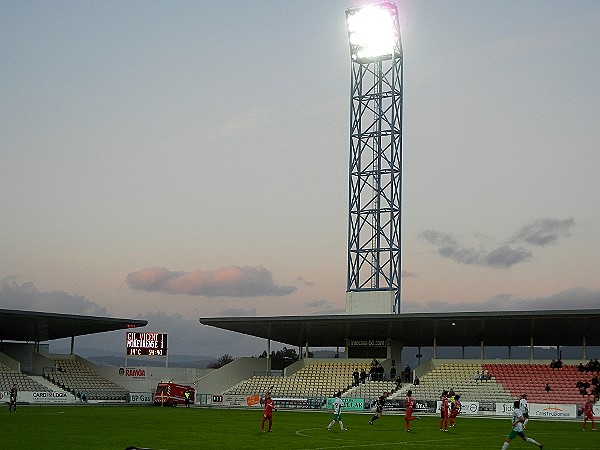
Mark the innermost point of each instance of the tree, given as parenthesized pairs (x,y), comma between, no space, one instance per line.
(280,359)
(222,361)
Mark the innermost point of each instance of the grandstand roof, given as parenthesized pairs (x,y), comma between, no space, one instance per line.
(31,326)
(519,328)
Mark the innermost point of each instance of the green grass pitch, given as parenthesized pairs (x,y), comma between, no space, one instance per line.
(117,427)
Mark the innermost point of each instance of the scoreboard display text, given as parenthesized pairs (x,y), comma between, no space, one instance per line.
(146,344)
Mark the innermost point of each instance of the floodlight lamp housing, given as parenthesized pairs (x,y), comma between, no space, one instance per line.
(374,32)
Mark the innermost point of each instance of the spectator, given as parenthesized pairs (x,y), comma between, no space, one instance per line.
(393,372)
(586,385)
(363,375)
(380,372)
(547,388)
(417,381)
(407,372)
(355,377)
(373,373)
(589,366)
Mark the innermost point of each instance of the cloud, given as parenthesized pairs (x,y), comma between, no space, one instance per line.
(317,304)
(328,312)
(505,256)
(232,281)
(300,279)
(439,239)
(407,274)
(236,312)
(449,248)
(539,233)
(570,299)
(186,336)
(26,296)
(242,122)
(544,232)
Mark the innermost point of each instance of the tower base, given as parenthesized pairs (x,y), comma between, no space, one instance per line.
(370,302)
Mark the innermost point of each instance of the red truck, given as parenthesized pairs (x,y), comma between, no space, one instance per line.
(172,394)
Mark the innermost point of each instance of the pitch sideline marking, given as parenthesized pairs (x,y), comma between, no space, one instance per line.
(374,444)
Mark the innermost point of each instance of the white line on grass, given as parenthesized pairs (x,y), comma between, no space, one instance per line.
(421,443)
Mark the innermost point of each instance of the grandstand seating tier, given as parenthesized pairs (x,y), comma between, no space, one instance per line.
(317,380)
(74,376)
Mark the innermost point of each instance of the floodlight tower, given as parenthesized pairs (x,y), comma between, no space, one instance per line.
(375,181)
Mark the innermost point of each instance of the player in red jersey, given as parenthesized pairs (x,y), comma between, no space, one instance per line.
(409,404)
(444,411)
(268,412)
(588,413)
(455,410)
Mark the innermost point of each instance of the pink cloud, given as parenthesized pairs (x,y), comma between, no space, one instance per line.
(232,281)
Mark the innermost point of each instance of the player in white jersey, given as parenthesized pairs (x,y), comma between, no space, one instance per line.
(337,412)
(524,407)
(517,429)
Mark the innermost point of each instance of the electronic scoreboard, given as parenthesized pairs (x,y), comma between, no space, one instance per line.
(146,344)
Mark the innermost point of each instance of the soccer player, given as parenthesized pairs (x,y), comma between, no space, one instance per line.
(524,407)
(337,412)
(268,412)
(455,410)
(444,411)
(13,398)
(588,412)
(517,429)
(409,404)
(380,403)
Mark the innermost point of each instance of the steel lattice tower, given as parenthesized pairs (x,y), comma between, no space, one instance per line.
(375,178)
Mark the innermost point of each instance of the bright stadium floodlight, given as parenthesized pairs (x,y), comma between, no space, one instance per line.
(373,32)
(375,175)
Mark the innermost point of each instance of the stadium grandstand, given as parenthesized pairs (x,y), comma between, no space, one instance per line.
(490,384)
(309,382)
(45,378)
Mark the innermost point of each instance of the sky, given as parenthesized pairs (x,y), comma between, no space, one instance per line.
(168,161)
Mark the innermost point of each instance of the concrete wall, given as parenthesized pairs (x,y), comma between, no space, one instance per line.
(21,352)
(221,379)
(10,362)
(134,379)
(145,379)
(39,362)
(295,367)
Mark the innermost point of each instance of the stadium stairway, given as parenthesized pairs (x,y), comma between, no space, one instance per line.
(370,390)
(48,386)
